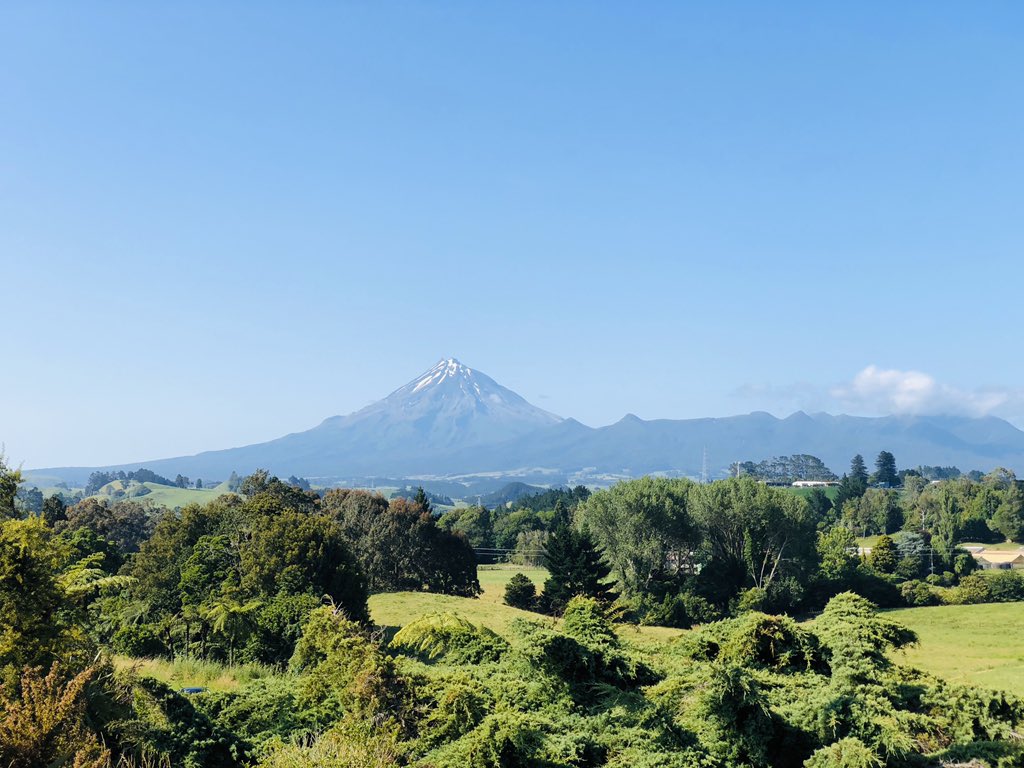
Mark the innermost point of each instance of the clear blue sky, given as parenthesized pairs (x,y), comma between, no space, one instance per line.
(221,222)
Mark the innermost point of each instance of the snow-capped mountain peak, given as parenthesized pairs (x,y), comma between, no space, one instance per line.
(445,369)
(450,405)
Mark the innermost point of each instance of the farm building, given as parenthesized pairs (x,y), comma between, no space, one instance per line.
(993,559)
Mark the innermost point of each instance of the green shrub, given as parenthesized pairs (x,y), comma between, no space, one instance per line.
(1006,586)
(845,753)
(682,610)
(918,593)
(138,641)
(973,589)
(449,635)
(520,592)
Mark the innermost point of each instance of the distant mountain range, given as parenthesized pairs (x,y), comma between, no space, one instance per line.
(455,423)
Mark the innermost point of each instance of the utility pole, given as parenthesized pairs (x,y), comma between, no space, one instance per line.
(704,468)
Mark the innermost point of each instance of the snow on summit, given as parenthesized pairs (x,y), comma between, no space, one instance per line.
(450,405)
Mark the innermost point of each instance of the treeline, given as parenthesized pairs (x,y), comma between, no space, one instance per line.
(785,469)
(235,578)
(99,478)
(518,531)
(681,553)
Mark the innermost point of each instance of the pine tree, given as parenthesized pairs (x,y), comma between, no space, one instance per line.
(885,470)
(576,567)
(421,499)
(561,516)
(858,470)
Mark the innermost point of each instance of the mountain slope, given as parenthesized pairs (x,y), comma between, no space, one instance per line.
(633,446)
(453,420)
(447,409)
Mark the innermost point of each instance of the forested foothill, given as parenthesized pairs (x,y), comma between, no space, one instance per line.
(786,661)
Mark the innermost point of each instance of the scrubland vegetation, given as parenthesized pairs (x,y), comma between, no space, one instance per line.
(672,624)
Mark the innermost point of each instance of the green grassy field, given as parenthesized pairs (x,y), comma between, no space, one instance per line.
(395,609)
(831,491)
(976,644)
(166,495)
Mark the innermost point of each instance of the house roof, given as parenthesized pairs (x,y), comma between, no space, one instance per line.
(1001,557)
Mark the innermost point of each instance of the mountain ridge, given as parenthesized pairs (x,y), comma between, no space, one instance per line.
(453,420)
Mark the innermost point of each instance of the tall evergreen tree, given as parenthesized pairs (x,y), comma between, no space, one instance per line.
(858,470)
(421,499)
(885,470)
(561,516)
(576,567)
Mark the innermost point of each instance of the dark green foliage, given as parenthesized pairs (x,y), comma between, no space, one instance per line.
(918,593)
(160,721)
(821,506)
(682,610)
(277,627)
(344,670)
(520,592)
(1008,519)
(855,638)
(886,474)
(645,528)
(1005,586)
(262,710)
(29,501)
(884,555)
(139,641)
(296,553)
(54,510)
(400,546)
(576,567)
(758,641)
(858,470)
(549,499)
(474,523)
(587,655)
(126,523)
(36,623)
(786,469)
(9,481)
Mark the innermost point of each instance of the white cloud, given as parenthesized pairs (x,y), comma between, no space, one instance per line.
(883,391)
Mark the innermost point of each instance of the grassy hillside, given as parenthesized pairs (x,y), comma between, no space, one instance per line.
(169,496)
(977,644)
(395,609)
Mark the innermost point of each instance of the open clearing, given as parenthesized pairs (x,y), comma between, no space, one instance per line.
(182,673)
(977,644)
(395,609)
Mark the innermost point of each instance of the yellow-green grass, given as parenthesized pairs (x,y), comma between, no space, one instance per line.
(979,645)
(392,610)
(1005,546)
(493,579)
(189,673)
(167,495)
